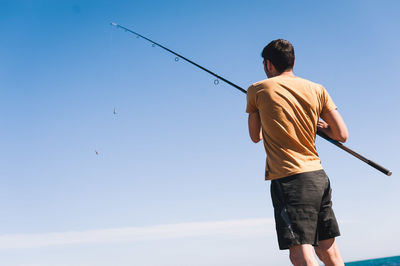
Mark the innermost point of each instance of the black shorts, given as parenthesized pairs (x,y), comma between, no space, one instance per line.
(303,209)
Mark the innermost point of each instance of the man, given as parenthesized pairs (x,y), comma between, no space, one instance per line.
(284,111)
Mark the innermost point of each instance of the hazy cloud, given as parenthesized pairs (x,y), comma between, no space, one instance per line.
(236,228)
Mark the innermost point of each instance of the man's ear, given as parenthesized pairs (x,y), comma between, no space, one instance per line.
(265,66)
(271,67)
(268,65)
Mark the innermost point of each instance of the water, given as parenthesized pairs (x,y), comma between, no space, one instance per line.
(389,261)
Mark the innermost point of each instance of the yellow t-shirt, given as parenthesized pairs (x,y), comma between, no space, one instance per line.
(289,109)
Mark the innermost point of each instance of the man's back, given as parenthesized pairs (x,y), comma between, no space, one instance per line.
(289,109)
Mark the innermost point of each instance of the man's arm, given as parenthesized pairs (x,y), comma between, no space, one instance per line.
(333,126)
(255,127)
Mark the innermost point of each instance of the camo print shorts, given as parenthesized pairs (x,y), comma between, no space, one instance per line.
(303,209)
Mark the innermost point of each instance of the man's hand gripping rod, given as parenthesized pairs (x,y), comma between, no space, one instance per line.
(335,142)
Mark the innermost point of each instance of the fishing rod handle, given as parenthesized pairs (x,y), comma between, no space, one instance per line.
(355,154)
(379,168)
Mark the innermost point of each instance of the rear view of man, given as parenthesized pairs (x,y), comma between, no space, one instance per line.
(284,112)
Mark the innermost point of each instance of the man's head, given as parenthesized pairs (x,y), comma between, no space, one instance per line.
(278,57)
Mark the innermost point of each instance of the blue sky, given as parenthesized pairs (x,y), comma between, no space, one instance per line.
(176,158)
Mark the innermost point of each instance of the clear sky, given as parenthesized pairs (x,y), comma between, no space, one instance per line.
(177,180)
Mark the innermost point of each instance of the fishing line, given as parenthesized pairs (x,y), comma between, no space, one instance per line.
(216,82)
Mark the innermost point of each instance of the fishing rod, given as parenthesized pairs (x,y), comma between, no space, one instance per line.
(321,134)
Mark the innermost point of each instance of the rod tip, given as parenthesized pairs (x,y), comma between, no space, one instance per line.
(114,24)
(389,173)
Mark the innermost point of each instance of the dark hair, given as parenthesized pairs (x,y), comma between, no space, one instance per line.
(281,54)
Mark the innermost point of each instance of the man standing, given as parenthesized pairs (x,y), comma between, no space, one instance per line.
(284,111)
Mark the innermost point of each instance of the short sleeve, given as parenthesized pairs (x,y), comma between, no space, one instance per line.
(327,103)
(251,100)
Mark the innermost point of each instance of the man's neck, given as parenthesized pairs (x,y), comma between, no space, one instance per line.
(288,73)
